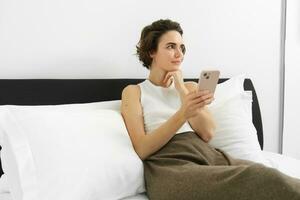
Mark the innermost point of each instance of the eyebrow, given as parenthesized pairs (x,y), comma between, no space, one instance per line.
(174,43)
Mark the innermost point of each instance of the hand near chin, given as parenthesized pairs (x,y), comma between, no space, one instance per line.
(175,76)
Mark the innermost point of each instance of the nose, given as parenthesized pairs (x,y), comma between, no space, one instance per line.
(178,53)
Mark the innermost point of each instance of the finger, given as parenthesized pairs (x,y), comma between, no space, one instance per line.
(207,99)
(193,101)
(204,103)
(209,102)
(191,95)
(200,104)
(207,96)
(197,106)
(212,99)
(167,77)
(197,100)
(203,94)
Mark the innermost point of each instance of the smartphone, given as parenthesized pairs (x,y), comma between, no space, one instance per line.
(208,80)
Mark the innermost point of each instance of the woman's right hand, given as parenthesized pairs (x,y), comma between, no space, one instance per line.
(194,101)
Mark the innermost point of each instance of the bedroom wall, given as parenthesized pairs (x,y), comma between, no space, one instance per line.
(96,39)
(291,136)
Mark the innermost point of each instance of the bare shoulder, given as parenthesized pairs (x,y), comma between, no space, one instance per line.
(191,85)
(131,90)
(130,97)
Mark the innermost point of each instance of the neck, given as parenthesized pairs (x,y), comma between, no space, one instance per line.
(157,76)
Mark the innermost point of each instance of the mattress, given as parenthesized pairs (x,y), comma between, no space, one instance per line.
(285,164)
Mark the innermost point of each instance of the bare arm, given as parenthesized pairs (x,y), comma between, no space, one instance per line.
(146,144)
(203,123)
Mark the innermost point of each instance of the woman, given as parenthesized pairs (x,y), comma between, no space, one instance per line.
(169,125)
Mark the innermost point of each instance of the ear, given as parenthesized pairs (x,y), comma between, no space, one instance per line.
(152,54)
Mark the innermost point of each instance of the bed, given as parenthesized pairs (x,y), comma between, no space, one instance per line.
(32,92)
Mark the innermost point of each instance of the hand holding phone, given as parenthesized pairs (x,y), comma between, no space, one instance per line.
(208,80)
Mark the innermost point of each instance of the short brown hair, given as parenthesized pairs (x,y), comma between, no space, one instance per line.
(150,37)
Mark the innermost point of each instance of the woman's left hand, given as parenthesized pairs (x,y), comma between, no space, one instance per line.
(177,78)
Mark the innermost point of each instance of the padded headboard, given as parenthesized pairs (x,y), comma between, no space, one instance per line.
(65,91)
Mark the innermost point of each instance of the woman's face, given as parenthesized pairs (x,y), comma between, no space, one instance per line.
(169,54)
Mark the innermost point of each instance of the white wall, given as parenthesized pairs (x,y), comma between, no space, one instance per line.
(291,133)
(96,39)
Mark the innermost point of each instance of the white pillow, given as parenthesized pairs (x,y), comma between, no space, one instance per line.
(114,105)
(81,154)
(232,110)
(3,184)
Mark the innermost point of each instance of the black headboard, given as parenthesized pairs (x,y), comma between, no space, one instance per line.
(64,91)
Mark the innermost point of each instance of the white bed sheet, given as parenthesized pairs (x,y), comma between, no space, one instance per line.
(5,196)
(285,164)
(142,196)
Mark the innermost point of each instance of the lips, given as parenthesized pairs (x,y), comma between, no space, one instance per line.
(176,62)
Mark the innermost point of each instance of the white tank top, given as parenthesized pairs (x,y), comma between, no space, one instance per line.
(159,104)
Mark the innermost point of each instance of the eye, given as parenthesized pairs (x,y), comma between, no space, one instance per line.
(182,47)
(171,46)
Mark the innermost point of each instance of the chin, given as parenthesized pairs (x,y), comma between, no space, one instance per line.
(172,67)
(175,67)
